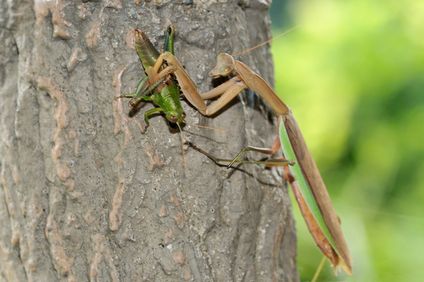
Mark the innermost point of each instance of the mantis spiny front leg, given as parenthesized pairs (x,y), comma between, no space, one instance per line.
(306,181)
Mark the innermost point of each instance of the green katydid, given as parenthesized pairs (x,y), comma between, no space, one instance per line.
(162,90)
(306,182)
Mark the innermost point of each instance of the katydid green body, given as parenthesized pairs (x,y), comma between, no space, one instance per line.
(163,93)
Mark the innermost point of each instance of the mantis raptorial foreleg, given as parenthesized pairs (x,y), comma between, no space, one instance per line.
(227,91)
(307,184)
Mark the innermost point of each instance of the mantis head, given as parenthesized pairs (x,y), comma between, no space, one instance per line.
(224,66)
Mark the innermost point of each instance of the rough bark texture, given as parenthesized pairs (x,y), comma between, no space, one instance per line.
(85,196)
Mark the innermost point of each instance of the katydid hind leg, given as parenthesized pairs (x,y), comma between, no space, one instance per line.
(141,84)
(169,39)
(149,91)
(136,104)
(148,114)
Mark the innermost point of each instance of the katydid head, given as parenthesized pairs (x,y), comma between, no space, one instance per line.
(224,66)
(176,117)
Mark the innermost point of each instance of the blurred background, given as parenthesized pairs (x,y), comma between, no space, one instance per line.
(353,74)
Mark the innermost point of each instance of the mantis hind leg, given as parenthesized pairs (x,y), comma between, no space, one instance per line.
(229,162)
(268,151)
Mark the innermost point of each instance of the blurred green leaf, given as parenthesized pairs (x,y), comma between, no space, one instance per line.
(353,74)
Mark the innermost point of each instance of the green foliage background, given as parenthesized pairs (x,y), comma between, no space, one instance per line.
(353,74)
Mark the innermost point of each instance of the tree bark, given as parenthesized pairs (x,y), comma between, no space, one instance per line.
(85,196)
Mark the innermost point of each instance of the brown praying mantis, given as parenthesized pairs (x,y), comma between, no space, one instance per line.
(307,184)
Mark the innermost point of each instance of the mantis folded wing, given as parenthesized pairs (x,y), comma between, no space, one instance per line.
(304,177)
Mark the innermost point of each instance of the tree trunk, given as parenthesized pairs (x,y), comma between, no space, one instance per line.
(85,196)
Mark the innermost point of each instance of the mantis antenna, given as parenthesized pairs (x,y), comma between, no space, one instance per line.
(241,53)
